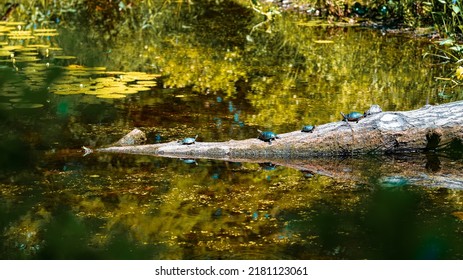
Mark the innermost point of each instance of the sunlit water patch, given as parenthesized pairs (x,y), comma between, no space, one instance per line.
(35,64)
(103,84)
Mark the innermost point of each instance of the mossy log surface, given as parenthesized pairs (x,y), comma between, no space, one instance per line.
(428,128)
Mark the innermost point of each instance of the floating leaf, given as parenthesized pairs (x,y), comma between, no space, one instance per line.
(28,105)
(12,93)
(20,37)
(5,106)
(127,90)
(45,32)
(14,23)
(26,58)
(147,83)
(111,96)
(115,73)
(55,49)
(13,48)
(28,53)
(140,87)
(38,46)
(4,53)
(64,57)
(97,68)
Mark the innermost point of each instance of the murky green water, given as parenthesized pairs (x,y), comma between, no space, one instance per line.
(221,79)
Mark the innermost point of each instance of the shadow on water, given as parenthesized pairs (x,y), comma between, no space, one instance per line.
(68,237)
(389,224)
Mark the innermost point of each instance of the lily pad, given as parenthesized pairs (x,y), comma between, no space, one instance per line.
(111,96)
(5,53)
(147,83)
(28,105)
(64,57)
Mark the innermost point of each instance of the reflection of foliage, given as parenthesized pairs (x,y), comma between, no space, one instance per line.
(288,69)
(214,215)
(187,65)
(217,210)
(25,234)
(291,72)
(284,67)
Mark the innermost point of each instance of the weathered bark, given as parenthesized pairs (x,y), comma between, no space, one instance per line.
(428,128)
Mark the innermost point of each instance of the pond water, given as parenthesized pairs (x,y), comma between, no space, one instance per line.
(217,75)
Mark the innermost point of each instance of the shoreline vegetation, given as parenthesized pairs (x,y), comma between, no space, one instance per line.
(439,20)
(442,15)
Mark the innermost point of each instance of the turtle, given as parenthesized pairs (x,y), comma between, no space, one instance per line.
(352,116)
(268,166)
(267,136)
(359,9)
(374,109)
(188,140)
(189,161)
(308,128)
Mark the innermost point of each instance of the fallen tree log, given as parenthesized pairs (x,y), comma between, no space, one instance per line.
(390,136)
(428,128)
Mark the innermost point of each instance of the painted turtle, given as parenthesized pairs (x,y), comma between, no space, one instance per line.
(189,161)
(267,136)
(308,128)
(394,181)
(352,116)
(188,140)
(359,9)
(268,166)
(374,109)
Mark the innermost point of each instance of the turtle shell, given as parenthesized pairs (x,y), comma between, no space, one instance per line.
(267,136)
(308,128)
(374,109)
(189,161)
(189,140)
(353,116)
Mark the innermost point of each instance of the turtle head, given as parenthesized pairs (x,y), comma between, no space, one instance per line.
(344,118)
